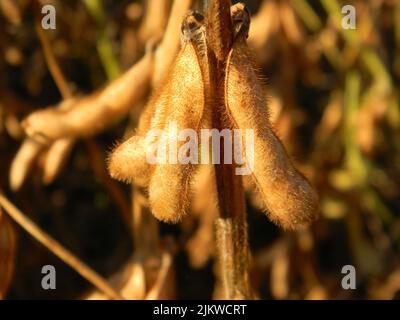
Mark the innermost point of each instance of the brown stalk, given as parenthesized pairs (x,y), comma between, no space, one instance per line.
(7,253)
(231,226)
(56,248)
(51,61)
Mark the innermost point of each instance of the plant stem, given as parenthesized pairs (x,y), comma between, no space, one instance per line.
(104,44)
(231,226)
(56,248)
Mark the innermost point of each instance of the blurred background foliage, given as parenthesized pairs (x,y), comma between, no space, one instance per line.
(334,100)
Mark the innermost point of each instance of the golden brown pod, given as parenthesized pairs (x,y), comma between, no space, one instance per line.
(88,115)
(127,162)
(56,157)
(169,188)
(288,196)
(23,162)
(178,105)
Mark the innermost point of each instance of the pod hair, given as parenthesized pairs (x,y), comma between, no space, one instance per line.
(288,196)
(127,162)
(180,100)
(169,189)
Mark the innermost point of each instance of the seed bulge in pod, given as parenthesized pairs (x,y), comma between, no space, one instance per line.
(169,188)
(288,196)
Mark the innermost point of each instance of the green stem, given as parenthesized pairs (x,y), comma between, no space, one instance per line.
(103,43)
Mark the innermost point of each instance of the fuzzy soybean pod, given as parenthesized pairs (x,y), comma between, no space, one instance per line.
(181,92)
(288,197)
(169,188)
(127,162)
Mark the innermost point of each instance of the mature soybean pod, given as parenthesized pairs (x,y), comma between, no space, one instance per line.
(128,162)
(288,196)
(169,188)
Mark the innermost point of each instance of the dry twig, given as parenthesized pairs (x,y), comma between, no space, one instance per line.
(56,248)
